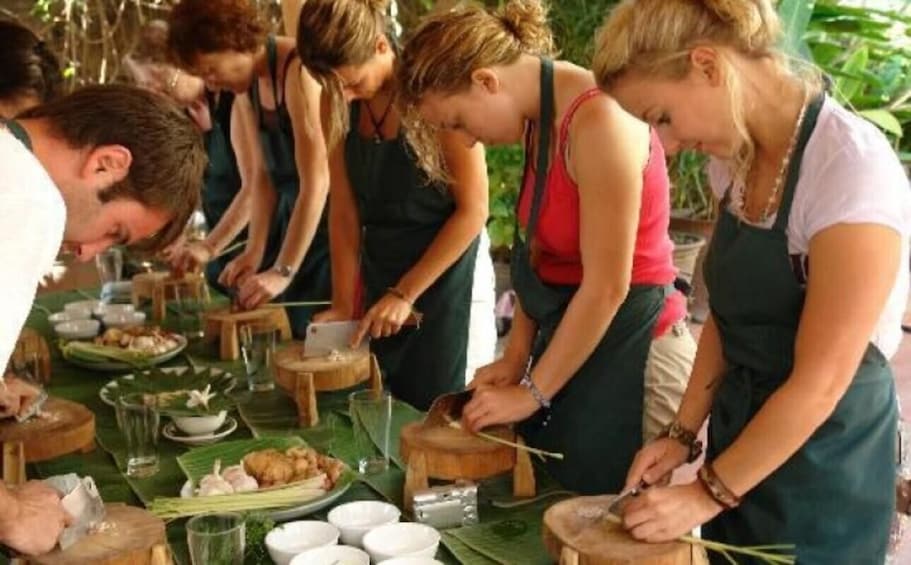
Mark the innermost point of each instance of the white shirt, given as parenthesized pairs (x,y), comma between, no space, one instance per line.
(32,220)
(849,175)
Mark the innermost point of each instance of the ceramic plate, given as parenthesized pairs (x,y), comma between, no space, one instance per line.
(106,391)
(173,433)
(121,366)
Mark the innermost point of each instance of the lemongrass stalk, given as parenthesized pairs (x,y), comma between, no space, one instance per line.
(300,303)
(495,439)
(178,507)
(760,552)
(230,248)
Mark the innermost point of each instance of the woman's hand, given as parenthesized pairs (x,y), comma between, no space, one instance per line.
(663,514)
(239,269)
(191,257)
(16,396)
(38,520)
(504,371)
(385,318)
(656,461)
(492,405)
(261,288)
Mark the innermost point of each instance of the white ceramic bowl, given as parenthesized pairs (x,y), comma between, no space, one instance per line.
(102,310)
(82,305)
(294,538)
(123,319)
(411,561)
(407,539)
(332,555)
(200,425)
(68,316)
(78,329)
(355,519)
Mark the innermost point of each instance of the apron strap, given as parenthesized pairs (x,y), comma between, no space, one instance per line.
(18,132)
(806,130)
(545,125)
(272,57)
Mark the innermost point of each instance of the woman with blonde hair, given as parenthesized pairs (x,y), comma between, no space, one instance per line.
(597,322)
(415,244)
(807,284)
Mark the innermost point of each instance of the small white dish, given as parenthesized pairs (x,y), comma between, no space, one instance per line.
(82,305)
(102,310)
(332,555)
(78,329)
(171,432)
(199,425)
(294,538)
(411,561)
(123,319)
(355,519)
(69,316)
(406,539)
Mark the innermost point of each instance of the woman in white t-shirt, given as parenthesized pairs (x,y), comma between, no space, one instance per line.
(807,275)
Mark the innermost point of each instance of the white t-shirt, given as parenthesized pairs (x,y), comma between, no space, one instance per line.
(33,217)
(849,175)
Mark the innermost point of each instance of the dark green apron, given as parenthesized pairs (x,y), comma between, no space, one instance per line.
(401,214)
(835,497)
(276,136)
(596,418)
(222,181)
(18,132)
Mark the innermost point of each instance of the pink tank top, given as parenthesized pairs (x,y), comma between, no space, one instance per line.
(559,259)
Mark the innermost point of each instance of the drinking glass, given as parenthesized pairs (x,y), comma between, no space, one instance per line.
(192,306)
(110,266)
(138,418)
(216,539)
(371,415)
(257,345)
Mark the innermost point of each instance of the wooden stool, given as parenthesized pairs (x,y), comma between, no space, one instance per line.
(67,428)
(451,454)
(224,326)
(302,377)
(130,536)
(32,353)
(577,532)
(160,286)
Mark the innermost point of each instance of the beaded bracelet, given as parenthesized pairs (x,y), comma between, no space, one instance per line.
(685,437)
(716,487)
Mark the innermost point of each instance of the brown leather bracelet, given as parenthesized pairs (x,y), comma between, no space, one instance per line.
(685,437)
(716,487)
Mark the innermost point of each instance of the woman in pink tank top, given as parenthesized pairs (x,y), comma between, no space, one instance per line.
(592,264)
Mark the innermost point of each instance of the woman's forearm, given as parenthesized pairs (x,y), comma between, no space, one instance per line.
(708,370)
(234,220)
(304,222)
(521,335)
(450,243)
(344,252)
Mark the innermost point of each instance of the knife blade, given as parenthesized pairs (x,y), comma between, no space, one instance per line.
(617,504)
(447,408)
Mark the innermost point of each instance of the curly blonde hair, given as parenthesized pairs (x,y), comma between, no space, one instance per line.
(448,46)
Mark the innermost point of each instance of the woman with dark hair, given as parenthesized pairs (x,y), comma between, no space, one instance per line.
(226,197)
(30,71)
(225,43)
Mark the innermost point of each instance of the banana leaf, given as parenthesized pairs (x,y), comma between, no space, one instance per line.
(179,382)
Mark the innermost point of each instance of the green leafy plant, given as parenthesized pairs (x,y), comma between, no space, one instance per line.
(504,169)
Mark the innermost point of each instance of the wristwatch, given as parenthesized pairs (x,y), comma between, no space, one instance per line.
(284,270)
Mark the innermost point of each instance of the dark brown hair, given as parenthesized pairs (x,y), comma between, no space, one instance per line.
(28,65)
(208,26)
(168,158)
(338,33)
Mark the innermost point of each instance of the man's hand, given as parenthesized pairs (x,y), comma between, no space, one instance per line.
(16,396)
(33,518)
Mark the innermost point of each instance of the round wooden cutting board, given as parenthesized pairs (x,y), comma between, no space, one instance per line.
(66,427)
(353,368)
(577,531)
(452,454)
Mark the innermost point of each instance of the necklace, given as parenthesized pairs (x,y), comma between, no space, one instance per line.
(378,123)
(782,171)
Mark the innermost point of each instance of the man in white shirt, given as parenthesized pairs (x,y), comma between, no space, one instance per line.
(105,165)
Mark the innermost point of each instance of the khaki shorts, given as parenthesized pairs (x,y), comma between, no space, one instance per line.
(667,372)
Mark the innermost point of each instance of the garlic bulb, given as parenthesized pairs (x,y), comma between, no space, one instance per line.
(239,479)
(213,483)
